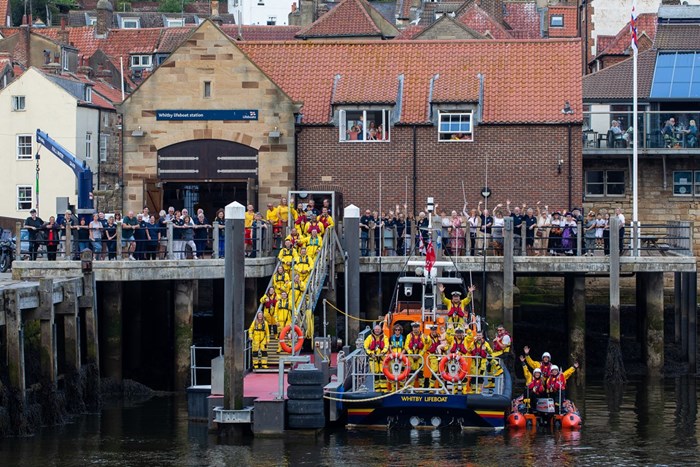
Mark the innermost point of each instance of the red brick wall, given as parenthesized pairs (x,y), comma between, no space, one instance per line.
(522,166)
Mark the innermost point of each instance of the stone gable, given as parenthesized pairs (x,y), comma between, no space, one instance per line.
(236,83)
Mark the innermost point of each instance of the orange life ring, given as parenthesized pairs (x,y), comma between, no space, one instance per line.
(387,366)
(461,372)
(283,335)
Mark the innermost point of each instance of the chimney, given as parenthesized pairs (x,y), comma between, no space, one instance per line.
(215,18)
(63,34)
(294,7)
(104,18)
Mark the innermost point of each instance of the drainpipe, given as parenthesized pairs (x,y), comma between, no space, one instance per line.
(571,175)
(297,130)
(415,169)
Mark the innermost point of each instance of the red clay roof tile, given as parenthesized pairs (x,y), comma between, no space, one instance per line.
(570,18)
(349,19)
(480,21)
(523,18)
(4,12)
(522,78)
(620,44)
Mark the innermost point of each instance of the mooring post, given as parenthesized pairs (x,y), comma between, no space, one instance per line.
(677,305)
(169,244)
(182,332)
(508,276)
(234,302)
(692,321)
(352,271)
(14,331)
(575,292)
(653,343)
(686,290)
(215,254)
(614,366)
(49,365)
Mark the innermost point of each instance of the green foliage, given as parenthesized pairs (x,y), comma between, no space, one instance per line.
(172,6)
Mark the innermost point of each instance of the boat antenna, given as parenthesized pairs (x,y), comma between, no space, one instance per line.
(380,241)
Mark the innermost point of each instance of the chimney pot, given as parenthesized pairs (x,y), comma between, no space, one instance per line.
(294,7)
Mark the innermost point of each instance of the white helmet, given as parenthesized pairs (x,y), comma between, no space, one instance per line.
(537,370)
(554,367)
(546,354)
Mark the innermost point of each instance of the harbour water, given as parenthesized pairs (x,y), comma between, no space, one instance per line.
(644,423)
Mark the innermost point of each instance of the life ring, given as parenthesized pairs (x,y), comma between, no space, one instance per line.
(283,335)
(452,373)
(389,366)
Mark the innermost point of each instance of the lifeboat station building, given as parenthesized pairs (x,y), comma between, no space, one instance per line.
(221,120)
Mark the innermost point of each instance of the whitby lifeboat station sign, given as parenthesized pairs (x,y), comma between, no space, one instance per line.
(234,115)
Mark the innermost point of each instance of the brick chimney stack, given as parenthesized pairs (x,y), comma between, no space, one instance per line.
(104,18)
(63,34)
(215,18)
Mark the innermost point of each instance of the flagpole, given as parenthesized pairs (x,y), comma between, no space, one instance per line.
(634,135)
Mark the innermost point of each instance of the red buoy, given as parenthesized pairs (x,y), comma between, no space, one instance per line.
(516,420)
(571,421)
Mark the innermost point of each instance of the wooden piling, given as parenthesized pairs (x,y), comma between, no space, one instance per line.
(575,295)
(87,305)
(49,365)
(614,366)
(653,342)
(677,305)
(692,279)
(182,328)
(14,336)
(234,307)
(68,309)
(112,330)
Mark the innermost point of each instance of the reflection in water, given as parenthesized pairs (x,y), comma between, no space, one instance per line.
(623,425)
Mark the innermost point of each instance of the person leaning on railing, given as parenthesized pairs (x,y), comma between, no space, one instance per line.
(220,224)
(51,234)
(33,224)
(201,233)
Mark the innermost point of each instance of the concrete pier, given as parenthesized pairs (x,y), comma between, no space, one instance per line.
(183,311)
(111,312)
(614,366)
(508,276)
(653,341)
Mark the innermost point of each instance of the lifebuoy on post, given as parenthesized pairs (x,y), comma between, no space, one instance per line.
(389,366)
(300,339)
(451,373)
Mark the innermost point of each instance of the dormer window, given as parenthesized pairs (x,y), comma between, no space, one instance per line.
(141,61)
(556,21)
(365,125)
(131,23)
(174,22)
(91,21)
(88,94)
(455,126)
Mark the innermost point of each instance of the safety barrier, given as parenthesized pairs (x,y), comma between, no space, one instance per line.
(196,369)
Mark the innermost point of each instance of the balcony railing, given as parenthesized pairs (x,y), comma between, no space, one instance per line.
(652,132)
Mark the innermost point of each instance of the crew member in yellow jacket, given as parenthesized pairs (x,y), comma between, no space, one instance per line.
(269,302)
(259,334)
(286,255)
(314,244)
(377,345)
(283,314)
(280,280)
(457,307)
(303,265)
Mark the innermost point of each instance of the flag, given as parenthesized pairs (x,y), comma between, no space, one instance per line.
(421,245)
(429,256)
(633,25)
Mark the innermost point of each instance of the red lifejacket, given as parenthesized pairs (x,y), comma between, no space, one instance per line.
(479,351)
(497,342)
(377,343)
(459,347)
(536,386)
(556,383)
(324,220)
(271,302)
(434,344)
(313,227)
(546,368)
(456,310)
(416,343)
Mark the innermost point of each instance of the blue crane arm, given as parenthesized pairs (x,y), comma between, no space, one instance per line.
(79,168)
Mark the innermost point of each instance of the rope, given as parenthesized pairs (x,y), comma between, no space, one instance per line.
(336,399)
(351,317)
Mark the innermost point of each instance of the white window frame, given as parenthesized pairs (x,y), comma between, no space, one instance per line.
(88,145)
(20,201)
(88,93)
(174,22)
(91,21)
(104,143)
(137,61)
(24,157)
(688,183)
(135,21)
(64,60)
(559,18)
(605,183)
(469,134)
(19,103)
(344,128)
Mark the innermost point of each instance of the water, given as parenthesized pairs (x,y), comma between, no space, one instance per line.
(644,424)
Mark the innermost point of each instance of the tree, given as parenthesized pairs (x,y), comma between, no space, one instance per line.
(172,6)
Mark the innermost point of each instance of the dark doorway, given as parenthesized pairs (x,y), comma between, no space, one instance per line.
(210,196)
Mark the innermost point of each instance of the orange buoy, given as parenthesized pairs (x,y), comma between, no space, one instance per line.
(571,421)
(453,376)
(389,366)
(516,420)
(300,339)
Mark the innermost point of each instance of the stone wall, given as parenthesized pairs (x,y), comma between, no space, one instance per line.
(236,83)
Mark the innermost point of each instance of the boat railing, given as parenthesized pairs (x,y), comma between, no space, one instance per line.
(359,376)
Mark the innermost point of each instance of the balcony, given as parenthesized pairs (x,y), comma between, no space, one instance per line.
(598,138)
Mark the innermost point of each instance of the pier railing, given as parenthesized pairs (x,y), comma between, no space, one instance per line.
(197,369)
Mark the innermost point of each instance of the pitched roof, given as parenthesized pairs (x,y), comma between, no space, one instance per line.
(4,12)
(620,44)
(350,18)
(479,20)
(261,32)
(677,37)
(403,9)
(453,88)
(524,19)
(447,27)
(409,32)
(363,90)
(615,81)
(522,78)
(569,15)
(118,43)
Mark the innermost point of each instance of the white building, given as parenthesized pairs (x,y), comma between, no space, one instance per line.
(261,12)
(66,109)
